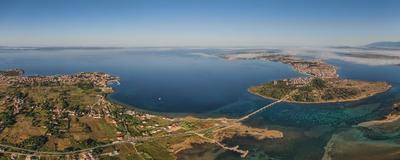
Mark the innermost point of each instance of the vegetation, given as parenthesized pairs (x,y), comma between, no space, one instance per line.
(56,116)
(187,125)
(153,150)
(44,120)
(34,142)
(86,128)
(85,85)
(320,90)
(6,119)
(332,93)
(88,143)
(16,72)
(275,91)
(53,116)
(318,83)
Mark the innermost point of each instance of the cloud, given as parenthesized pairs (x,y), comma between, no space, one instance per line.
(354,55)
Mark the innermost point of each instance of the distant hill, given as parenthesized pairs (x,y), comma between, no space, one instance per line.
(384,45)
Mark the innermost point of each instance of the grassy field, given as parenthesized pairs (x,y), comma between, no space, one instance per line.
(101,129)
(21,130)
(44,107)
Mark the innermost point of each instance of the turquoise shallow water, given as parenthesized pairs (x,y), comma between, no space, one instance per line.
(309,127)
(187,81)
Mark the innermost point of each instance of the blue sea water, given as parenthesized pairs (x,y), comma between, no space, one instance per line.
(196,81)
(173,81)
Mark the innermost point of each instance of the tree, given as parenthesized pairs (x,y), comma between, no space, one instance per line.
(34,142)
(85,85)
(7,119)
(318,83)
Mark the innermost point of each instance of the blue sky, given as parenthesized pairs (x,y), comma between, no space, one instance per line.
(206,23)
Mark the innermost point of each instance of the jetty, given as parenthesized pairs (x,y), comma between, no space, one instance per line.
(243,153)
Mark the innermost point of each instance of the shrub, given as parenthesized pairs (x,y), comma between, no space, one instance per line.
(34,142)
(85,85)
(318,83)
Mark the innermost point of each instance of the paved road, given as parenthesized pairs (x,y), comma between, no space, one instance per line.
(129,140)
(44,153)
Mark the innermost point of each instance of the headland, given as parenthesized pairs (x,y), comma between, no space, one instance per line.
(321,83)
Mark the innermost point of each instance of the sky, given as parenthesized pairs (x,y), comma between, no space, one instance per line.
(202,23)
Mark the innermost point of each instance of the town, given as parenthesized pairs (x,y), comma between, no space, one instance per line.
(69,116)
(320,83)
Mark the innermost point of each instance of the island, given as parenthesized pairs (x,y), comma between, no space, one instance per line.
(320,83)
(70,117)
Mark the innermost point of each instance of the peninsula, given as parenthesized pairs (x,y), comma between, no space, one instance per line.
(69,117)
(320,83)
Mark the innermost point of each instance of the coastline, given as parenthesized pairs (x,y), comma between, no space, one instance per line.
(118,114)
(234,129)
(312,69)
(109,98)
(388,119)
(392,117)
(166,114)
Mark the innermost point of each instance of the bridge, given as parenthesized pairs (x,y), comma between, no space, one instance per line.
(28,152)
(265,107)
(259,110)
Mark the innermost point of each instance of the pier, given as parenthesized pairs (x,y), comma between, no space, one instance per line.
(243,153)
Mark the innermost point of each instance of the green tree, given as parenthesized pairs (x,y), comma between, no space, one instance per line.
(318,83)
(34,142)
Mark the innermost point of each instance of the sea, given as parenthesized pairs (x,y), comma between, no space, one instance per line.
(198,82)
